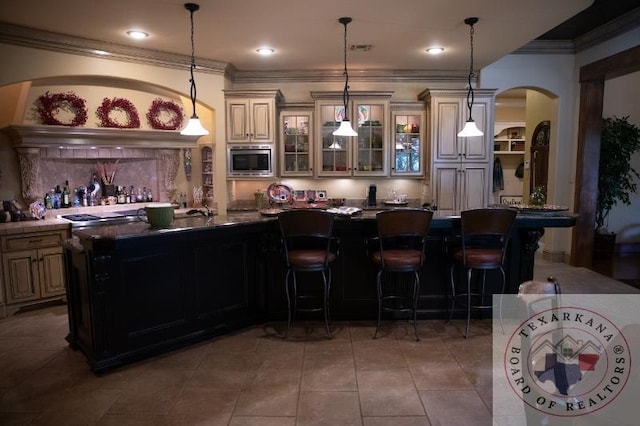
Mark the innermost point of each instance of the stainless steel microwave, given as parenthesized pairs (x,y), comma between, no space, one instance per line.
(250,161)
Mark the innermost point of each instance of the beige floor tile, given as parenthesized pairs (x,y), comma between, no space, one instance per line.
(444,408)
(78,409)
(23,363)
(278,400)
(388,393)
(273,376)
(439,376)
(378,355)
(148,399)
(329,408)
(198,406)
(7,419)
(396,421)
(329,372)
(262,421)
(431,349)
(132,420)
(325,346)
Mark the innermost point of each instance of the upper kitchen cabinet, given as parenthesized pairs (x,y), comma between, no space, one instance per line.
(449,114)
(296,142)
(407,147)
(460,167)
(362,155)
(251,115)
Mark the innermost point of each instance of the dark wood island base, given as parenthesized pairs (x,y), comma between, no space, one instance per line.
(135,292)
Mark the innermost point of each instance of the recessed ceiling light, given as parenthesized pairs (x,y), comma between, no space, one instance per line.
(137,34)
(100,52)
(435,50)
(266,51)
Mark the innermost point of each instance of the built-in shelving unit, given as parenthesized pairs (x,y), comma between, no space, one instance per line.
(207,172)
(509,138)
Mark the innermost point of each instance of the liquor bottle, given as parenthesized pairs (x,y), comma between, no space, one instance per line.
(48,200)
(149,196)
(121,195)
(145,197)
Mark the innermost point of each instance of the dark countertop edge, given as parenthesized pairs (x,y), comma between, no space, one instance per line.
(237,220)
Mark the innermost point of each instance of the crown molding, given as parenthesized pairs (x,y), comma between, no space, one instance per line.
(30,37)
(547,47)
(39,39)
(371,75)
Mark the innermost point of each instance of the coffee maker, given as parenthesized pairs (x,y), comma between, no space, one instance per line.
(371,197)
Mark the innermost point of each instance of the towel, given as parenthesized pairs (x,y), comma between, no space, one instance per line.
(498,176)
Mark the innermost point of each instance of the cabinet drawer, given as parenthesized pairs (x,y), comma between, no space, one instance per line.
(31,241)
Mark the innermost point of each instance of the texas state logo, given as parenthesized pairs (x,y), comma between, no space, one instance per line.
(567,361)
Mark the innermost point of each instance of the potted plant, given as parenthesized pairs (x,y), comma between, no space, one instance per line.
(616,177)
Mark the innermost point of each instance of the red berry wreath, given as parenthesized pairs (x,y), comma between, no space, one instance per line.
(49,104)
(108,105)
(158,106)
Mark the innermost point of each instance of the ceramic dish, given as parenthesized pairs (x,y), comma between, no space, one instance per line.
(279,193)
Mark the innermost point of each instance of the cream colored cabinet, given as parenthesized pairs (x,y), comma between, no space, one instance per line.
(458,187)
(461,167)
(296,143)
(407,147)
(251,115)
(362,155)
(33,268)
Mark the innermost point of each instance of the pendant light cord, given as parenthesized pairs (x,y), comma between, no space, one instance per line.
(470,96)
(192,80)
(345,92)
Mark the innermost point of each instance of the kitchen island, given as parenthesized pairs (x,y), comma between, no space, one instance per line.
(135,291)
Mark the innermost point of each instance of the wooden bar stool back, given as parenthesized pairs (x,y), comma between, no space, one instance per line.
(485,235)
(402,235)
(307,240)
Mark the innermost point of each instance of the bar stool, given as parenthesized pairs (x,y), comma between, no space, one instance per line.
(484,239)
(532,292)
(402,235)
(307,236)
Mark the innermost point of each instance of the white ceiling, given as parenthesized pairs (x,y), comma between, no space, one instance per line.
(306,33)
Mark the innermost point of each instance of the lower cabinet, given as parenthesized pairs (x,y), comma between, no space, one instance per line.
(460,186)
(138,298)
(33,268)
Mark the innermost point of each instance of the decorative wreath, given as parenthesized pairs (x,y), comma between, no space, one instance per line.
(157,107)
(108,105)
(49,104)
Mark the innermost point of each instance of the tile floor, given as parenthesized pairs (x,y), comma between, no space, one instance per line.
(254,377)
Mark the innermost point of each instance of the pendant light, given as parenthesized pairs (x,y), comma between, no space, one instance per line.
(194,126)
(345,128)
(470,129)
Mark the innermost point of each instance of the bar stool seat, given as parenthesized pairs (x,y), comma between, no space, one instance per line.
(402,235)
(307,237)
(485,235)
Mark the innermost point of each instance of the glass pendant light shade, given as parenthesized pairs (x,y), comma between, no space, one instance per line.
(335,145)
(345,129)
(194,128)
(470,129)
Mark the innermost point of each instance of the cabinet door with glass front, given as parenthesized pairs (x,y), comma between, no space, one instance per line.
(362,155)
(370,155)
(407,143)
(296,144)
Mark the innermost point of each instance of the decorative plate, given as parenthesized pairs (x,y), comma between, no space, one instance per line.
(280,193)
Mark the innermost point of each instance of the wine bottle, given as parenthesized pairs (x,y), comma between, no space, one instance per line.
(65,195)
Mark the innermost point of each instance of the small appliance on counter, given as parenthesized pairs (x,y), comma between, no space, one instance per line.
(371,197)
